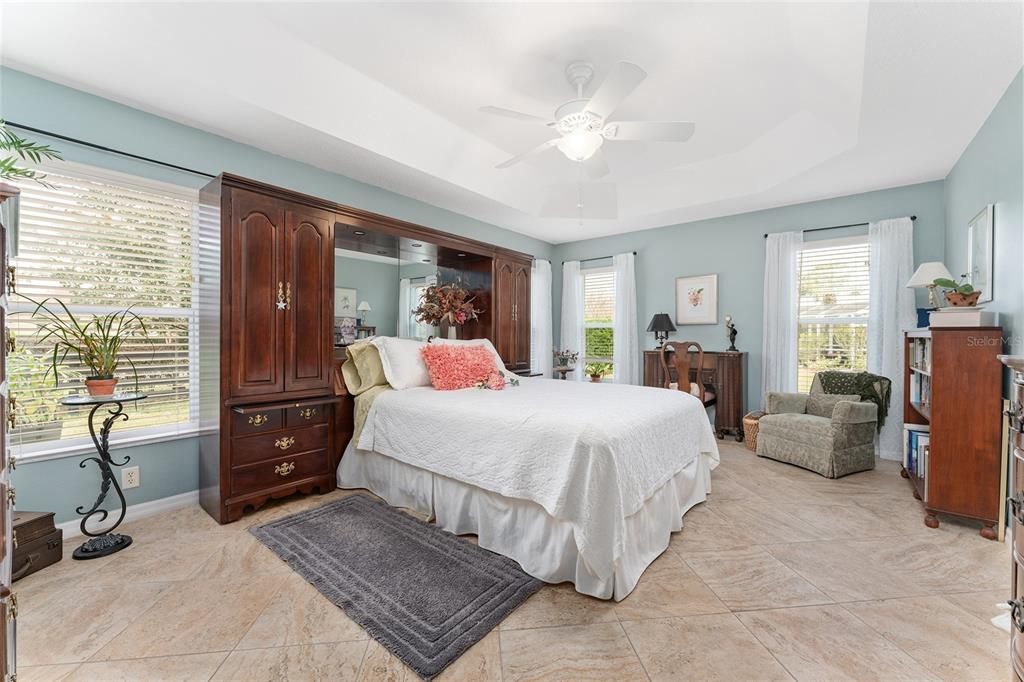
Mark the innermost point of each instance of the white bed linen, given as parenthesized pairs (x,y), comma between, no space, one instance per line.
(588,454)
(544,546)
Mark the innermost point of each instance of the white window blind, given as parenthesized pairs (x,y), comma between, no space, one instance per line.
(599,316)
(834,288)
(101,242)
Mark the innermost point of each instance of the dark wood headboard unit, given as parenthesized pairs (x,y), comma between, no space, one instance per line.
(266,305)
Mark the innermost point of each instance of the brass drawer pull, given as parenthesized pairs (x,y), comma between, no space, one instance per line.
(12,608)
(308,413)
(12,343)
(284,443)
(288,296)
(14,539)
(258,419)
(12,280)
(12,407)
(11,496)
(284,469)
(1017,614)
(12,462)
(1017,507)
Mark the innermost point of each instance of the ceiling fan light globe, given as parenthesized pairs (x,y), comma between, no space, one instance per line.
(580,145)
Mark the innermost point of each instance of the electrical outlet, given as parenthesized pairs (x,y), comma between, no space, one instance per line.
(130,477)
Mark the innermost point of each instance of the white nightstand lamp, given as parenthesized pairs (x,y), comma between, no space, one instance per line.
(924,278)
(362,309)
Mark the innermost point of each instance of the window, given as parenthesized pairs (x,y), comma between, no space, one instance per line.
(833,317)
(101,242)
(598,318)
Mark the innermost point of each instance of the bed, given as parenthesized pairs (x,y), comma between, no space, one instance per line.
(577,482)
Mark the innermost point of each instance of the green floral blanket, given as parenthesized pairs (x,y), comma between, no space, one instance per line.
(868,386)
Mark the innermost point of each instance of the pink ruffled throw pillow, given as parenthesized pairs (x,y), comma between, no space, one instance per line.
(454,367)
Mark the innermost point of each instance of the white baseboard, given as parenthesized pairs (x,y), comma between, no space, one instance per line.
(72,529)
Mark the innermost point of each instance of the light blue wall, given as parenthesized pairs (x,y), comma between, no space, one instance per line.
(991,171)
(377,284)
(170,468)
(733,247)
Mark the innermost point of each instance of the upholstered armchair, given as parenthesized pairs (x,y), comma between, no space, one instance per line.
(833,435)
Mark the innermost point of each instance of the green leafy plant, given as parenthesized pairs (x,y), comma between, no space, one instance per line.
(598,369)
(954,285)
(17,149)
(97,342)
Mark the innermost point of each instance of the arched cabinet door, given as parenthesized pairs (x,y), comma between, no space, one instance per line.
(309,288)
(504,325)
(521,299)
(257,289)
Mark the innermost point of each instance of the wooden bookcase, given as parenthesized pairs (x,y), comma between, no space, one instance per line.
(952,385)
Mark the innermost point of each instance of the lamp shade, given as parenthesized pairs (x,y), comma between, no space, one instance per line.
(661,322)
(927,273)
(364,307)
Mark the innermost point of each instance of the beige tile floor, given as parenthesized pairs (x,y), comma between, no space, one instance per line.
(780,575)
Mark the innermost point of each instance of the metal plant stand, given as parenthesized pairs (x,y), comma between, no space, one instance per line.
(106,542)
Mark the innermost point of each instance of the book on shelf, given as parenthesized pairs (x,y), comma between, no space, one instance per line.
(920,388)
(915,446)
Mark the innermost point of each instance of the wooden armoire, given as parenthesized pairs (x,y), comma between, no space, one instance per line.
(8,601)
(266,300)
(512,310)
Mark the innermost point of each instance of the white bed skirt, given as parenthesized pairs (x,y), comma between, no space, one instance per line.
(542,544)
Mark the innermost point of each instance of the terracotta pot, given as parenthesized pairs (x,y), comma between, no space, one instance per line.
(596,378)
(100,387)
(959,300)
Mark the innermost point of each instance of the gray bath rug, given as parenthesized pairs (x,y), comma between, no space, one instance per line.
(425,595)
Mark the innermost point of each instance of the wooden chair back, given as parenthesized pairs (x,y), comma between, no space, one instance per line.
(681,363)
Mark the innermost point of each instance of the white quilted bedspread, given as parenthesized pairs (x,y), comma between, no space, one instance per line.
(590,454)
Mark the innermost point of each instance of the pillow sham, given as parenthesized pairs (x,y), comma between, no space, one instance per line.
(486,343)
(453,367)
(403,365)
(363,370)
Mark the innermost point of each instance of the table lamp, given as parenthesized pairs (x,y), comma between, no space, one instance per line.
(661,325)
(924,278)
(363,308)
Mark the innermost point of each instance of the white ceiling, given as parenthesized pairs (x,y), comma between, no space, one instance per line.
(793,101)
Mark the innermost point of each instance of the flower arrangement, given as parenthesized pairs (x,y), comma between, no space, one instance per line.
(565,358)
(496,381)
(446,302)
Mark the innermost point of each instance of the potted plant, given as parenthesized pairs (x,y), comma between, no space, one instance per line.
(597,370)
(958,294)
(97,343)
(447,304)
(565,359)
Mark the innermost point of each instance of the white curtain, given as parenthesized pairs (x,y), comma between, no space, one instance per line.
(572,313)
(626,353)
(404,316)
(781,308)
(540,317)
(891,312)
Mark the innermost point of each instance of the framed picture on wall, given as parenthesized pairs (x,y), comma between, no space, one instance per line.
(697,299)
(345,302)
(979,252)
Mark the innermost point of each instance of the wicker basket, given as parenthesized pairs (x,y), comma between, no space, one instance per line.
(750,429)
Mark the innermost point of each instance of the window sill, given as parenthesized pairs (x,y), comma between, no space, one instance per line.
(77,449)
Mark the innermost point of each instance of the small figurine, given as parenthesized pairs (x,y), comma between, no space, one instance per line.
(732,333)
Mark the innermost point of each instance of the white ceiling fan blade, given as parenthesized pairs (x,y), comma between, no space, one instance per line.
(517,115)
(533,152)
(617,85)
(668,131)
(596,166)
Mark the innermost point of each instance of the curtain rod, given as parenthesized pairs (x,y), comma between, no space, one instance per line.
(587,260)
(101,148)
(837,227)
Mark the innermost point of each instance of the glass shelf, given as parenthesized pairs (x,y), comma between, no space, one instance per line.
(86,399)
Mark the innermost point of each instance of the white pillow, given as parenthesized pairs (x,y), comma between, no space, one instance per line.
(402,362)
(475,342)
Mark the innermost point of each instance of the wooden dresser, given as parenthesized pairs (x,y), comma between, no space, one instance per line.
(266,301)
(8,601)
(722,369)
(1016,414)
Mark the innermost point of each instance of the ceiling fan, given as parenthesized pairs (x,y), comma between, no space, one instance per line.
(583,123)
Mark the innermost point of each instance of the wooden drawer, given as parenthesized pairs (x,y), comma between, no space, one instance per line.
(306,416)
(278,444)
(256,422)
(275,472)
